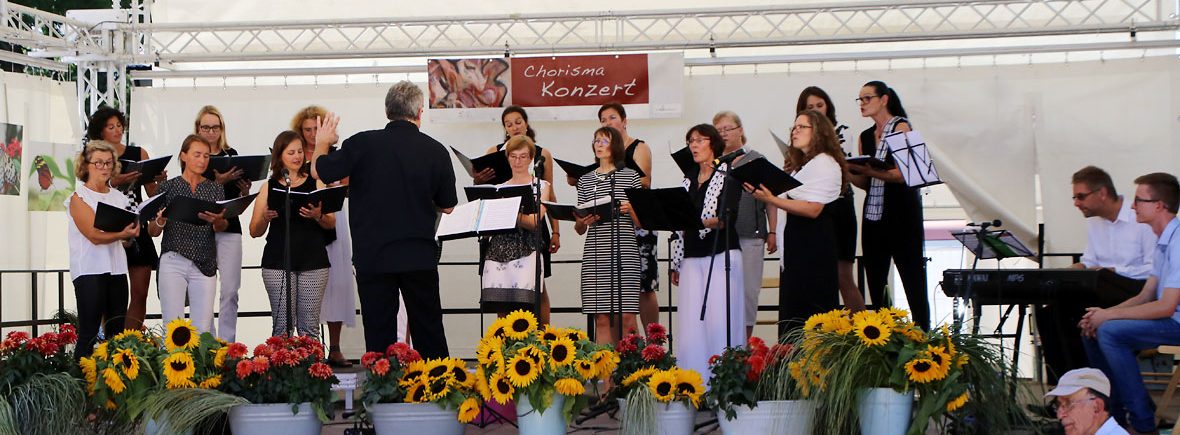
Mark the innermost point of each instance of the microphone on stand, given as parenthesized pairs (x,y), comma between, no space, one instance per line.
(729,158)
(985,224)
(286,176)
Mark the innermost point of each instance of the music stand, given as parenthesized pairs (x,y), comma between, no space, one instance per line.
(667,209)
(912,157)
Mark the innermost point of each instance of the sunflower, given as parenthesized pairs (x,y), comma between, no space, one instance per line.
(181,334)
(126,359)
(100,352)
(437,368)
(533,353)
(483,353)
(871,329)
(957,402)
(550,333)
(219,357)
(913,333)
(437,389)
(210,383)
(690,384)
(561,352)
(130,333)
(502,390)
(413,372)
(923,370)
(639,375)
(417,391)
(520,324)
(178,370)
(112,379)
(481,384)
(468,410)
(522,371)
(459,374)
(586,369)
(894,313)
(90,370)
(663,385)
(939,356)
(575,335)
(605,362)
(570,387)
(497,329)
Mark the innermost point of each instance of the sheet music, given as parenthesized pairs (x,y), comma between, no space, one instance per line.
(913,158)
(460,220)
(498,214)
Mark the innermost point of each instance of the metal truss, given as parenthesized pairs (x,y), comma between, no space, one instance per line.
(835,23)
(40,30)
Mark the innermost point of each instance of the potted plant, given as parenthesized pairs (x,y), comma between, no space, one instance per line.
(542,370)
(642,356)
(286,382)
(192,368)
(38,394)
(870,366)
(120,377)
(662,402)
(405,393)
(753,392)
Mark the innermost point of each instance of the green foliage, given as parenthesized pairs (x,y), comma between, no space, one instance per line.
(744,375)
(46,404)
(189,409)
(283,370)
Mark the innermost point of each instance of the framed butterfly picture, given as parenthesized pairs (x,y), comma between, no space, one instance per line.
(50,175)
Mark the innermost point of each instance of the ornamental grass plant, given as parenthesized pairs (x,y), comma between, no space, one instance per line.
(400,375)
(839,355)
(519,361)
(38,392)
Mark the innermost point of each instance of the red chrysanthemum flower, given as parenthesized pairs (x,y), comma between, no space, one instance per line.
(369,358)
(757,364)
(656,333)
(284,357)
(18,336)
(628,344)
(263,350)
(381,367)
(319,370)
(236,350)
(68,335)
(275,341)
(244,368)
(261,364)
(653,352)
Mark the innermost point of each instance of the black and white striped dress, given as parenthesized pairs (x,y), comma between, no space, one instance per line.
(599,273)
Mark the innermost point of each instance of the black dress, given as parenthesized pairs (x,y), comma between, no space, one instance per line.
(142,250)
(308,250)
(809,282)
(649,272)
(898,236)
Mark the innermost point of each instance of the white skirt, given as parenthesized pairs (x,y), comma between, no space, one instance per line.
(340,295)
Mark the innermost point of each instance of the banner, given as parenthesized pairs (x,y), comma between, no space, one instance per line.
(51,175)
(556,87)
(11,138)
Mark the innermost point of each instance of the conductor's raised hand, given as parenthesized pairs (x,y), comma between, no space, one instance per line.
(326,133)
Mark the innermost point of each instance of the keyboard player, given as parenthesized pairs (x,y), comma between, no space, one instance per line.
(1115,241)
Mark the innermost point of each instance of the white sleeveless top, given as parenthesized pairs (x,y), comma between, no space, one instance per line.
(86,258)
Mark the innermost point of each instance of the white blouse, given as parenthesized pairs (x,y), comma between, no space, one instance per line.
(86,258)
(821,178)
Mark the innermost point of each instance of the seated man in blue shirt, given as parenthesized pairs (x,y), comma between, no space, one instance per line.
(1114,335)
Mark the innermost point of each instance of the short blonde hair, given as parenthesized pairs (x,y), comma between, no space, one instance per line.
(211,110)
(521,142)
(737,120)
(82,161)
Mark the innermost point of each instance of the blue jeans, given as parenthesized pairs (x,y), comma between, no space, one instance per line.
(1115,353)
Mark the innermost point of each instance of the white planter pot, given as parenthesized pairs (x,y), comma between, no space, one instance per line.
(414,418)
(771,417)
(675,418)
(534,422)
(273,418)
(885,412)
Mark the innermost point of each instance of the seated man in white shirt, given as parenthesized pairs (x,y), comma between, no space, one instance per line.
(1082,403)
(1115,242)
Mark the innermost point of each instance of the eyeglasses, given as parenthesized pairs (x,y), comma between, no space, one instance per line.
(728,129)
(210,128)
(603,141)
(697,140)
(1062,408)
(1139,200)
(1082,196)
(102,164)
(865,99)
(800,127)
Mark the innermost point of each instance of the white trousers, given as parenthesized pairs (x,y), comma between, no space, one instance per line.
(229,272)
(177,277)
(752,262)
(696,340)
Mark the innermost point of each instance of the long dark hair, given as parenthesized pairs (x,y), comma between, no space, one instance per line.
(276,153)
(823,141)
(809,91)
(893,102)
(98,121)
(519,110)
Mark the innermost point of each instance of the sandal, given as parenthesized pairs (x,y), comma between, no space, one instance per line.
(341,362)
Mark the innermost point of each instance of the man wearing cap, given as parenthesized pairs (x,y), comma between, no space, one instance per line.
(1081,400)
(1151,318)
